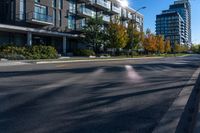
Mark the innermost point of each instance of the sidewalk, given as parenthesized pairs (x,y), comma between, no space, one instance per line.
(72,60)
(12,63)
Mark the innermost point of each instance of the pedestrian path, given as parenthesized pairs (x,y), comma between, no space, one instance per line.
(12,63)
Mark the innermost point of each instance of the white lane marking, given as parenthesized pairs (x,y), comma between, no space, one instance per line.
(132,75)
(98,72)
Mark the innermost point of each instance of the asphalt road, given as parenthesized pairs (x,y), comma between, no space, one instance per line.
(99,97)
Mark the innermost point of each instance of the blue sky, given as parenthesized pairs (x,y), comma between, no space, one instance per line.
(155,7)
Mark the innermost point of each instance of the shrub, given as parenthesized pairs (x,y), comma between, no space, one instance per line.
(84,52)
(35,52)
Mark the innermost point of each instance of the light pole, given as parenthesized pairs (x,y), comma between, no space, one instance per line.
(133,21)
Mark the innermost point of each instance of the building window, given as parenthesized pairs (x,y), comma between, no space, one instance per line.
(40,9)
(54,17)
(37,1)
(54,3)
(21,9)
(40,12)
(60,18)
(72,6)
(71,22)
(60,4)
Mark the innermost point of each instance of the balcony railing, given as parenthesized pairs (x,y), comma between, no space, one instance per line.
(130,16)
(80,26)
(102,3)
(86,11)
(116,9)
(40,18)
(106,18)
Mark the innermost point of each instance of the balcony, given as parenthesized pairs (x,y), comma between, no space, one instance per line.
(101,4)
(85,12)
(130,16)
(80,26)
(83,1)
(38,18)
(106,18)
(116,10)
(124,15)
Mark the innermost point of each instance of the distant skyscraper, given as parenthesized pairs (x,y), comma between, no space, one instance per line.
(175,23)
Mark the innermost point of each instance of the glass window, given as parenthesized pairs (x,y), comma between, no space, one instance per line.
(60,18)
(37,1)
(60,4)
(71,22)
(54,3)
(54,17)
(21,10)
(72,6)
(40,12)
(40,9)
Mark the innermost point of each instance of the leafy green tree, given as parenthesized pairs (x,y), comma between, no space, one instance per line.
(135,38)
(177,48)
(195,48)
(130,32)
(117,36)
(94,33)
(184,48)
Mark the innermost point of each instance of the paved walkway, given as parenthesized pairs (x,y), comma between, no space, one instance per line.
(12,63)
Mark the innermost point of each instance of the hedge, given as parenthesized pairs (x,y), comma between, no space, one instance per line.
(84,52)
(34,52)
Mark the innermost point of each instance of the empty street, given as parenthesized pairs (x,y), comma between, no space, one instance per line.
(129,96)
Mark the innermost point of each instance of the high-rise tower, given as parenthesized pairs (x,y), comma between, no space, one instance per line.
(175,23)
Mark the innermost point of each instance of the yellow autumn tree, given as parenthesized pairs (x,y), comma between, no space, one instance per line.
(160,44)
(118,36)
(177,48)
(167,46)
(150,42)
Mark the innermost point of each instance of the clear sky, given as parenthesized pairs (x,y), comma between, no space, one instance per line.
(155,7)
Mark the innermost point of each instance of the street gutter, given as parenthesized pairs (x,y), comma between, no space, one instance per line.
(181,116)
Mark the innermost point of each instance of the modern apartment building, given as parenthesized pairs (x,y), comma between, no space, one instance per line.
(175,23)
(57,22)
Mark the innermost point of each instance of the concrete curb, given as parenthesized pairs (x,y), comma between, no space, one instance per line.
(93,60)
(12,63)
(171,120)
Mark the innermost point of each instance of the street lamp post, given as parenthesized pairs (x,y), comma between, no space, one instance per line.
(134,21)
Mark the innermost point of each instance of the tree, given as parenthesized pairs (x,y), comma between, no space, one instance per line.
(167,46)
(150,43)
(94,33)
(184,48)
(130,33)
(160,44)
(177,48)
(118,36)
(148,31)
(135,38)
(195,48)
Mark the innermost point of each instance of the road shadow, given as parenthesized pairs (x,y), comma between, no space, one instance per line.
(111,69)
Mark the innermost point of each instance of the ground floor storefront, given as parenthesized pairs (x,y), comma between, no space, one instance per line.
(21,36)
